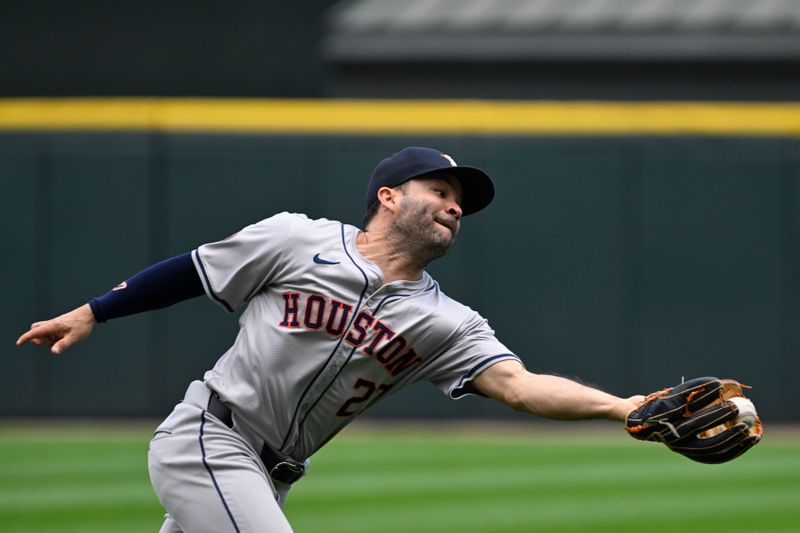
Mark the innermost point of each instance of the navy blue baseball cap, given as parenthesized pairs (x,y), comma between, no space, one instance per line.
(417,162)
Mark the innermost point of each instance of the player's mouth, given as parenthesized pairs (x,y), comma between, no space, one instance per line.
(452,225)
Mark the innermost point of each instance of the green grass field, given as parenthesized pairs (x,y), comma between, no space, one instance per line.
(89,478)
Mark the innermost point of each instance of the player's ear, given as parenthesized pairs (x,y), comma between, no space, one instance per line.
(389,198)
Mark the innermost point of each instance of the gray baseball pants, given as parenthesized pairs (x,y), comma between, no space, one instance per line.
(208,477)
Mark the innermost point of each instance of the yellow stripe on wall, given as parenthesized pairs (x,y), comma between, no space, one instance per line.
(399,116)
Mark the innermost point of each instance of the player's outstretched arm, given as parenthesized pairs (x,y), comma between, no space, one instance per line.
(61,332)
(161,285)
(551,396)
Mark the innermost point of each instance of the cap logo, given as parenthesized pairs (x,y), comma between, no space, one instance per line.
(450,160)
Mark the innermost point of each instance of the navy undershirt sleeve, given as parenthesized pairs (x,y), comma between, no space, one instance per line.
(161,285)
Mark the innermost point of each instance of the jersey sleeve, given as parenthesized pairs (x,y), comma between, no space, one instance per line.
(234,269)
(474,350)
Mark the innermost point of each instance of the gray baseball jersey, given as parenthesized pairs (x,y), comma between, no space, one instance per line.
(322,337)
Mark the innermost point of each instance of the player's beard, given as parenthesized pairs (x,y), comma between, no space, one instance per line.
(417,234)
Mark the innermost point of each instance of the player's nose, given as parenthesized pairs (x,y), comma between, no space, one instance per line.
(455,209)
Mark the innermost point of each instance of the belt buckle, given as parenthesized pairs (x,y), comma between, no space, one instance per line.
(287,472)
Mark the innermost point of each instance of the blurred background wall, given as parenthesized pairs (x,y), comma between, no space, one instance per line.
(628,251)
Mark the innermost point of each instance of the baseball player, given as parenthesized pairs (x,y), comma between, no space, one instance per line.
(334,318)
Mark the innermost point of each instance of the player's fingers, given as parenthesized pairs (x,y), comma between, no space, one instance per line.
(42,332)
(64,344)
(43,341)
(31,335)
(59,347)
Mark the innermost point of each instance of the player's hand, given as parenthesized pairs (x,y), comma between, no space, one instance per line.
(61,332)
(628,405)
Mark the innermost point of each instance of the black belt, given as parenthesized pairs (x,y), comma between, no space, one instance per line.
(280,469)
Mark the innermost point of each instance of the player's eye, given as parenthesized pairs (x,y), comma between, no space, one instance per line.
(440,193)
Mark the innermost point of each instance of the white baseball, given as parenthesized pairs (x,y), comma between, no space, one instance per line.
(747,411)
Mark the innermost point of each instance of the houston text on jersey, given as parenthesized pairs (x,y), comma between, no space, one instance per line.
(375,338)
